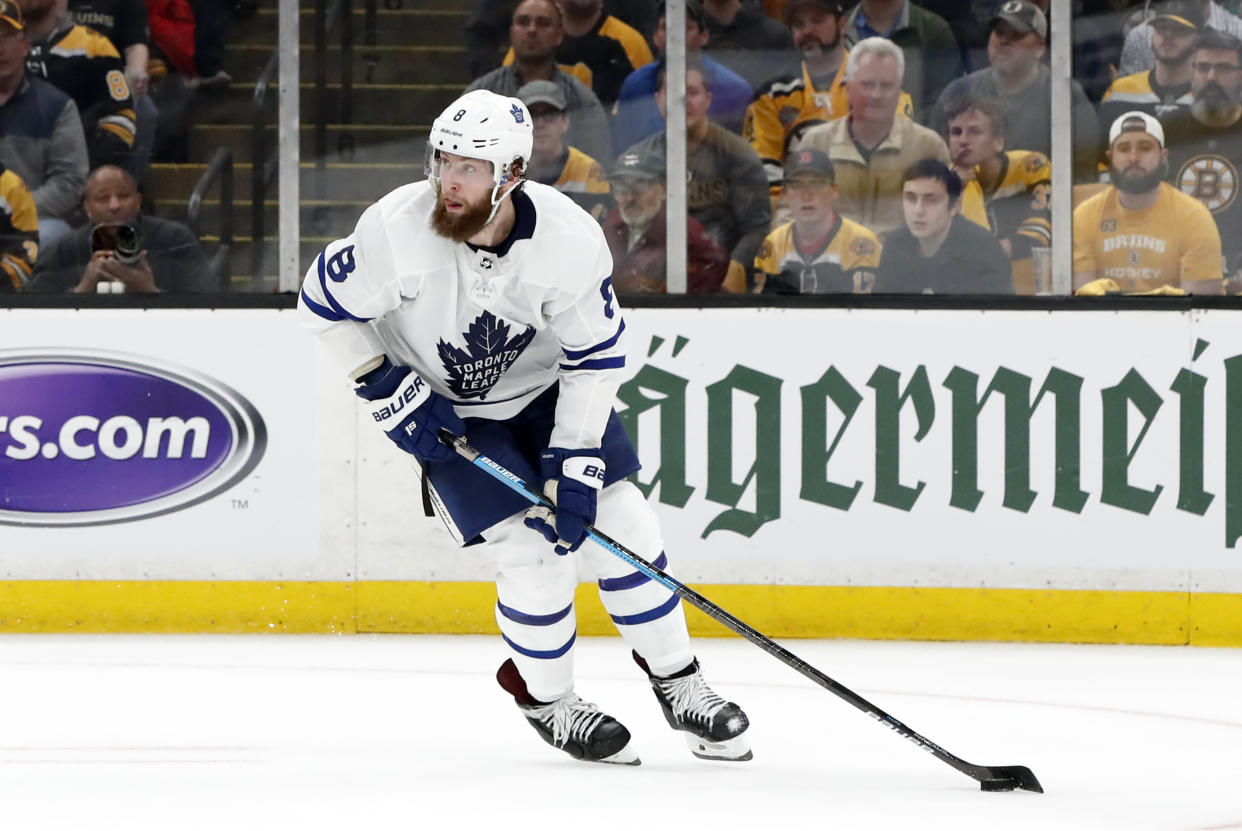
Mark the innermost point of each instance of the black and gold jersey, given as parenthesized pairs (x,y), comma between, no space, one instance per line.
(19,232)
(1206,162)
(87,66)
(846,263)
(1018,210)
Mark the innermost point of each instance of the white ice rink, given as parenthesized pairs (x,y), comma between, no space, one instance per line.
(398,732)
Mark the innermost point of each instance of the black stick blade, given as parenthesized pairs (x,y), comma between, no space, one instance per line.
(1008,778)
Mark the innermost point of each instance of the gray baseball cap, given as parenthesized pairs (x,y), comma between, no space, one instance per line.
(542,92)
(1023,16)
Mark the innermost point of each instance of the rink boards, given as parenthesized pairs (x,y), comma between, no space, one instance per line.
(879,473)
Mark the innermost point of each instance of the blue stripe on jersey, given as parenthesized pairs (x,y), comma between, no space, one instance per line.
(336,307)
(645,617)
(579,354)
(537,653)
(632,580)
(598,363)
(322,311)
(534,620)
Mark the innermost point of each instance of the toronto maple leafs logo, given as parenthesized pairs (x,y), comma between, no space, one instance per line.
(489,352)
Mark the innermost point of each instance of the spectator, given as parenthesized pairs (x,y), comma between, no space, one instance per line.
(1163,91)
(872,146)
(636,115)
(810,93)
(87,66)
(1138,55)
(536,33)
(819,252)
(1022,84)
(1009,193)
(726,187)
(170,259)
(41,137)
(1099,32)
(608,48)
(1142,234)
(552,162)
(745,39)
(938,251)
(933,58)
(19,232)
(1205,148)
(636,233)
(124,23)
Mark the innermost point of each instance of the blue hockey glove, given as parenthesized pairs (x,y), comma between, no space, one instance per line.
(574,478)
(407,410)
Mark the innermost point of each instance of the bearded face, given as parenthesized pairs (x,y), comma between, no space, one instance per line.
(1135,178)
(457,218)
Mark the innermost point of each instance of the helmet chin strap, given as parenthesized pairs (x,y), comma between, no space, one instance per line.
(496,200)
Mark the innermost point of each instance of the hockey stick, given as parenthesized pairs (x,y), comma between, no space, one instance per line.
(1002,778)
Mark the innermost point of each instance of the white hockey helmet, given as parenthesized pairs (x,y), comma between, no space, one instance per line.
(483,125)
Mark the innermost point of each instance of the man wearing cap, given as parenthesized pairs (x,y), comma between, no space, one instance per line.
(1163,91)
(933,57)
(1141,234)
(820,251)
(41,137)
(939,251)
(1138,54)
(636,233)
(1022,83)
(636,115)
(555,163)
(1205,147)
(811,92)
(535,33)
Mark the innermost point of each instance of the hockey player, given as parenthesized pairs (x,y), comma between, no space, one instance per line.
(480,303)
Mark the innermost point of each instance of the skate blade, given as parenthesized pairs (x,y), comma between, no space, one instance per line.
(736,749)
(625,756)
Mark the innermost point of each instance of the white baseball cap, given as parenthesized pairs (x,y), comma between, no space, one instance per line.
(1136,121)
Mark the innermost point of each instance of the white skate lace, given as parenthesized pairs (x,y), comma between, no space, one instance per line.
(570,718)
(690,696)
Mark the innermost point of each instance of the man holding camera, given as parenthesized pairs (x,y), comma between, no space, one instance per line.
(120,251)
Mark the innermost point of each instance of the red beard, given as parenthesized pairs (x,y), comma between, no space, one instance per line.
(462,225)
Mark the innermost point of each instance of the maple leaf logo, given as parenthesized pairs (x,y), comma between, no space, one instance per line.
(489,352)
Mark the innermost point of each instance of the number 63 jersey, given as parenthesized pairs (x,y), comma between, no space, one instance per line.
(488,328)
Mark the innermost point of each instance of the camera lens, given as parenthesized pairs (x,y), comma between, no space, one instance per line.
(128,244)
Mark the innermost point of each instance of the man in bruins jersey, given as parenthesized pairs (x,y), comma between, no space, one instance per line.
(1205,149)
(555,163)
(1141,234)
(87,66)
(820,251)
(1006,192)
(19,232)
(810,92)
(1163,91)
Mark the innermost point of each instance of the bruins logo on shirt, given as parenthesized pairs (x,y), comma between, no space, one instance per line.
(862,247)
(1211,179)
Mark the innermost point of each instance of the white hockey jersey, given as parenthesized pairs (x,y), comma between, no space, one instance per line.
(488,329)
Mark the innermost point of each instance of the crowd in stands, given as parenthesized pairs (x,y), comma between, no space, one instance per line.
(861,146)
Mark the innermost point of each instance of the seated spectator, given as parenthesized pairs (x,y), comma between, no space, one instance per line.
(819,252)
(536,33)
(1163,91)
(1099,31)
(636,233)
(87,259)
(1140,234)
(636,115)
(726,187)
(608,48)
(1205,147)
(872,146)
(933,58)
(938,251)
(1138,55)
(552,162)
(810,93)
(87,66)
(41,137)
(19,232)
(124,23)
(1018,79)
(1009,193)
(746,40)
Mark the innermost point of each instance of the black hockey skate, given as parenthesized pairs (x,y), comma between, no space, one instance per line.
(570,724)
(715,728)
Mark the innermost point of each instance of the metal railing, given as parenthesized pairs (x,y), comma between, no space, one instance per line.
(219,168)
(263,167)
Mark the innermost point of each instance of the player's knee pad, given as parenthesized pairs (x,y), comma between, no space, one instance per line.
(624,514)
